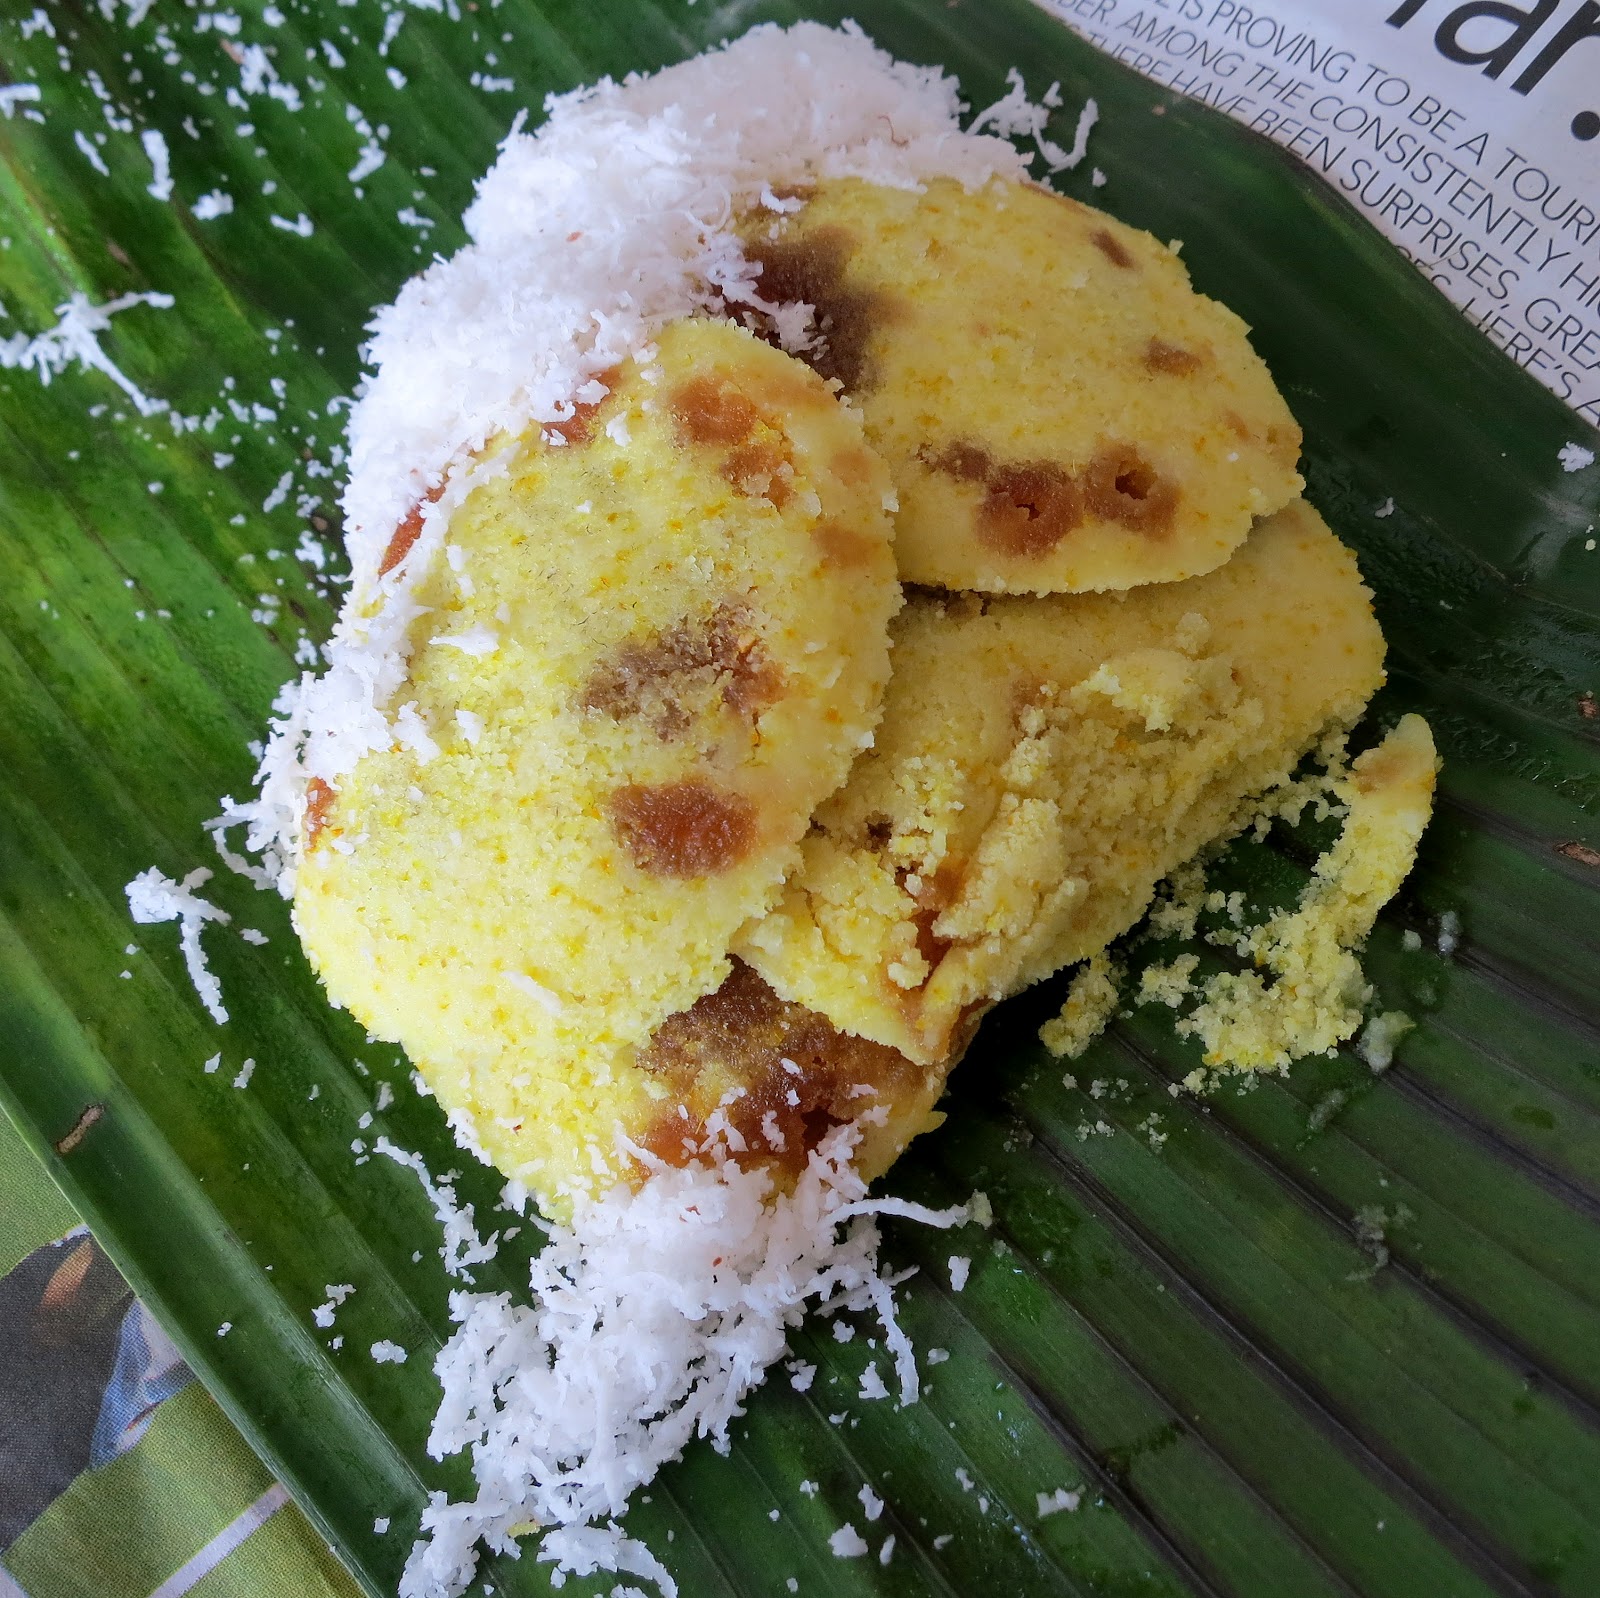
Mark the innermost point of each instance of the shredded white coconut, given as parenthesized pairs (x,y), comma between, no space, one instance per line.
(1575,458)
(15,94)
(385,1352)
(86,147)
(76,338)
(476,641)
(654,1315)
(1057,1502)
(337,1293)
(847,1543)
(153,897)
(155,147)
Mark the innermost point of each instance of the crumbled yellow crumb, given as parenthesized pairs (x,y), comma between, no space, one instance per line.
(1176,913)
(1317,991)
(1091,1001)
(1168,984)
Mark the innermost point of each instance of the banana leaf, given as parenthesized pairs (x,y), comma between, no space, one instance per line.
(1327,1333)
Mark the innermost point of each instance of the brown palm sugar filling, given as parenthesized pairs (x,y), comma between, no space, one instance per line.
(319,800)
(815,270)
(781,1074)
(653,676)
(1114,250)
(1028,507)
(407,533)
(708,409)
(578,428)
(1171,359)
(761,470)
(939,892)
(690,828)
(710,412)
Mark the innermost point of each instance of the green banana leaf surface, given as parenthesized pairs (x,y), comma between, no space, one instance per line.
(1326,1333)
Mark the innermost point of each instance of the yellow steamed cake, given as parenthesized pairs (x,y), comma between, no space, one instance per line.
(1043,763)
(648,650)
(1059,408)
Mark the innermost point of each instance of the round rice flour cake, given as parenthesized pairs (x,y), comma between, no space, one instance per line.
(1060,410)
(650,647)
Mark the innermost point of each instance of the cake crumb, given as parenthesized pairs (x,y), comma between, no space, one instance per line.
(1168,984)
(1091,1002)
(1317,991)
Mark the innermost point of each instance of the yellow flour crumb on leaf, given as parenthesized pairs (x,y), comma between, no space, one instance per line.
(1091,1002)
(1309,992)
(1168,984)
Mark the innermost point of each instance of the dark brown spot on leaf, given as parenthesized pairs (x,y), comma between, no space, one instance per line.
(1114,250)
(1171,359)
(814,269)
(688,829)
(738,1038)
(79,1129)
(1581,852)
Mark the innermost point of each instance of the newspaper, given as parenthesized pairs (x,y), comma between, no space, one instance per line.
(1468,133)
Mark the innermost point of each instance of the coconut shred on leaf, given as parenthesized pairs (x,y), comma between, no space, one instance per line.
(654,1315)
